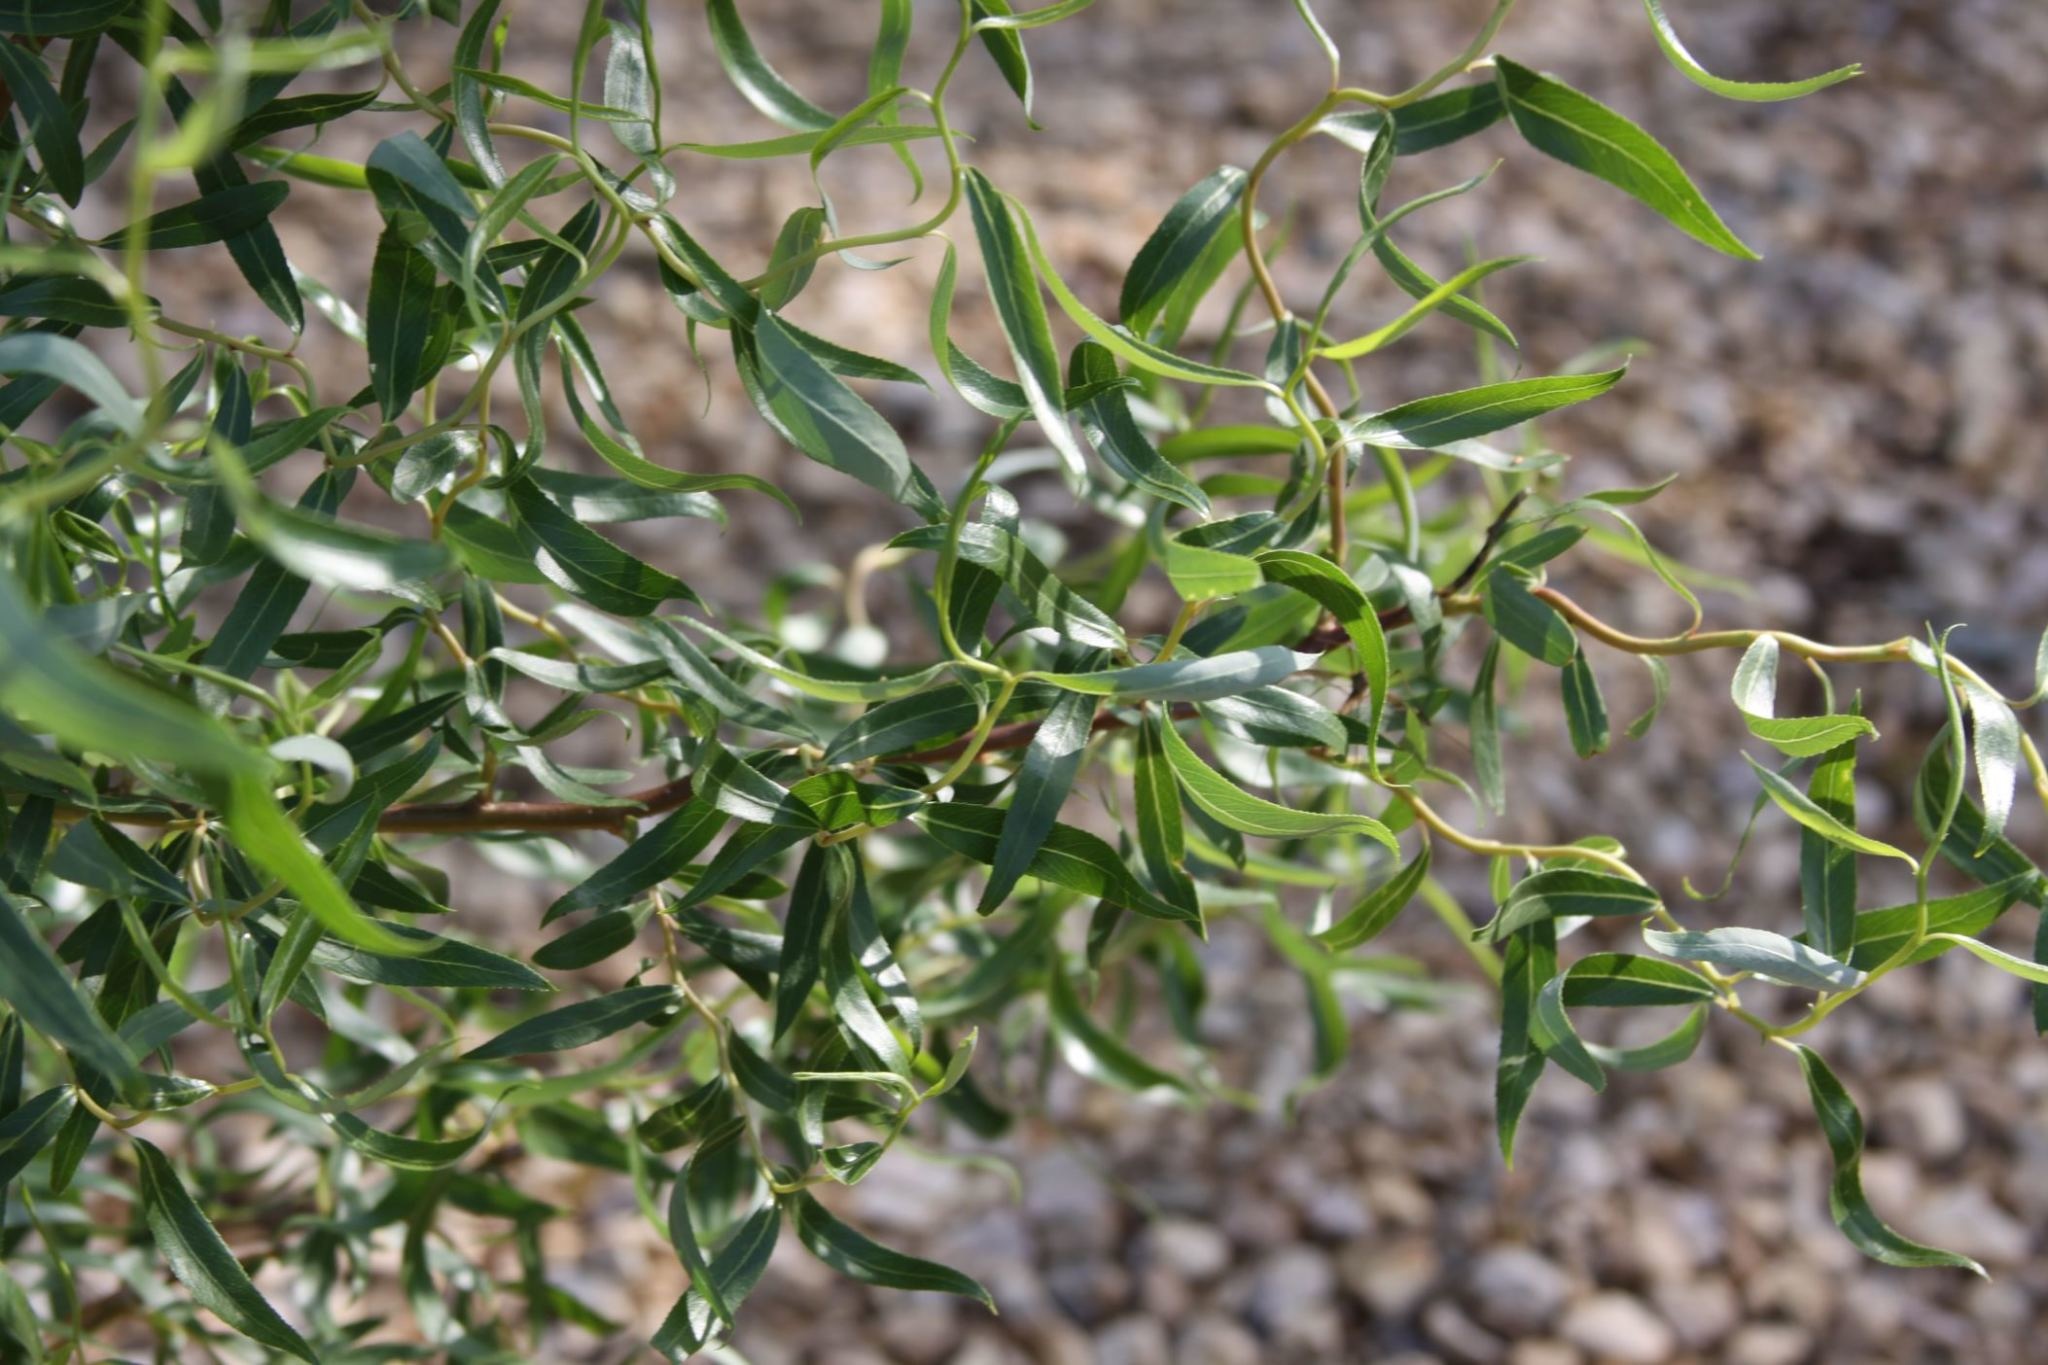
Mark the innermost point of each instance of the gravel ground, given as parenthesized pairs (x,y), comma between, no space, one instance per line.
(1861,426)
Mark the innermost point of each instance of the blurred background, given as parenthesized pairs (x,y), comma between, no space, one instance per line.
(1860,429)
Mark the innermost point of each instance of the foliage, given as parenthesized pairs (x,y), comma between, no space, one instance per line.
(798,944)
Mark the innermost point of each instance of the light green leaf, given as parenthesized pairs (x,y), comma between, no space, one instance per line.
(1222,675)
(1447,419)
(1758,91)
(1796,804)
(1770,956)
(1563,893)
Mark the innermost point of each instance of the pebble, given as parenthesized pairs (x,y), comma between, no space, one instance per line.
(1392,1280)
(1216,1340)
(1770,1343)
(1290,1282)
(1445,1324)
(1617,1327)
(1515,1290)
(1925,1115)
(1195,1251)
(1133,1340)
(1701,1311)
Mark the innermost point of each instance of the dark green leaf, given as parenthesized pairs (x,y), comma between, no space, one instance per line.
(1177,244)
(212,217)
(1377,908)
(1526,621)
(1842,1125)
(1447,419)
(1047,775)
(201,1260)
(1564,893)
(580,1024)
(1584,711)
(38,987)
(580,561)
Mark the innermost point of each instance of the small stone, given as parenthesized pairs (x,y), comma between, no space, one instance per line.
(1216,1340)
(923,1329)
(1926,1116)
(1289,1283)
(1133,1340)
(1541,1351)
(1089,1291)
(986,1347)
(1445,1324)
(1963,1218)
(1391,1280)
(1702,1311)
(1618,1327)
(1195,1251)
(1792,1288)
(1517,1291)
(1338,1214)
(1770,1343)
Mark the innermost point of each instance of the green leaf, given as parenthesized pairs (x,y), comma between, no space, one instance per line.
(1631,981)
(855,1256)
(58,18)
(1108,426)
(1564,893)
(1377,908)
(201,1260)
(1796,804)
(401,317)
(760,83)
(906,724)
(1882,934)
(66,361)
(1447,419)
(2028,971)
(1096,1052)
(1585,713)
(29,1127)
(1046,600)
(1274,718)
(1013,288)
(327,552)
(1580,131)
(1221,675)
(1757,91)
(264,832)
(824,885)
(49,122)
(1995,744)
(1177,245)
(434,961)
(1223,802)
(1842,1125)
(580,561)
(1446,117)
(1162,842)
(1333,590)
(1483,722)
(1528,962)
(580,1024)
(1043,781)
(1551,1030)
(1827,870)
(1770,956)
(1201,574)
(1754,690)
(212,217)
(830,422)
(41,991)
(735,1270)
(1429,301)
(1069,857)
(1526,621)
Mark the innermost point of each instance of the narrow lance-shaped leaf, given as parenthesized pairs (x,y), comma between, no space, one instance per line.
(858,1257)
(1377,908)
(1585,712)
(1013,287)
(750,73)
(1582,132)
(1332,589)
(1248,814)
(1528,962)
(1447,419)
(1827,870)
(1759,952)
(37,986)
(201,1260)
(1177,244)
(1756,91)
(824,884)
(1564,893)
(1796,804)
(1047,775)
(580,1024)
(1842,1126)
